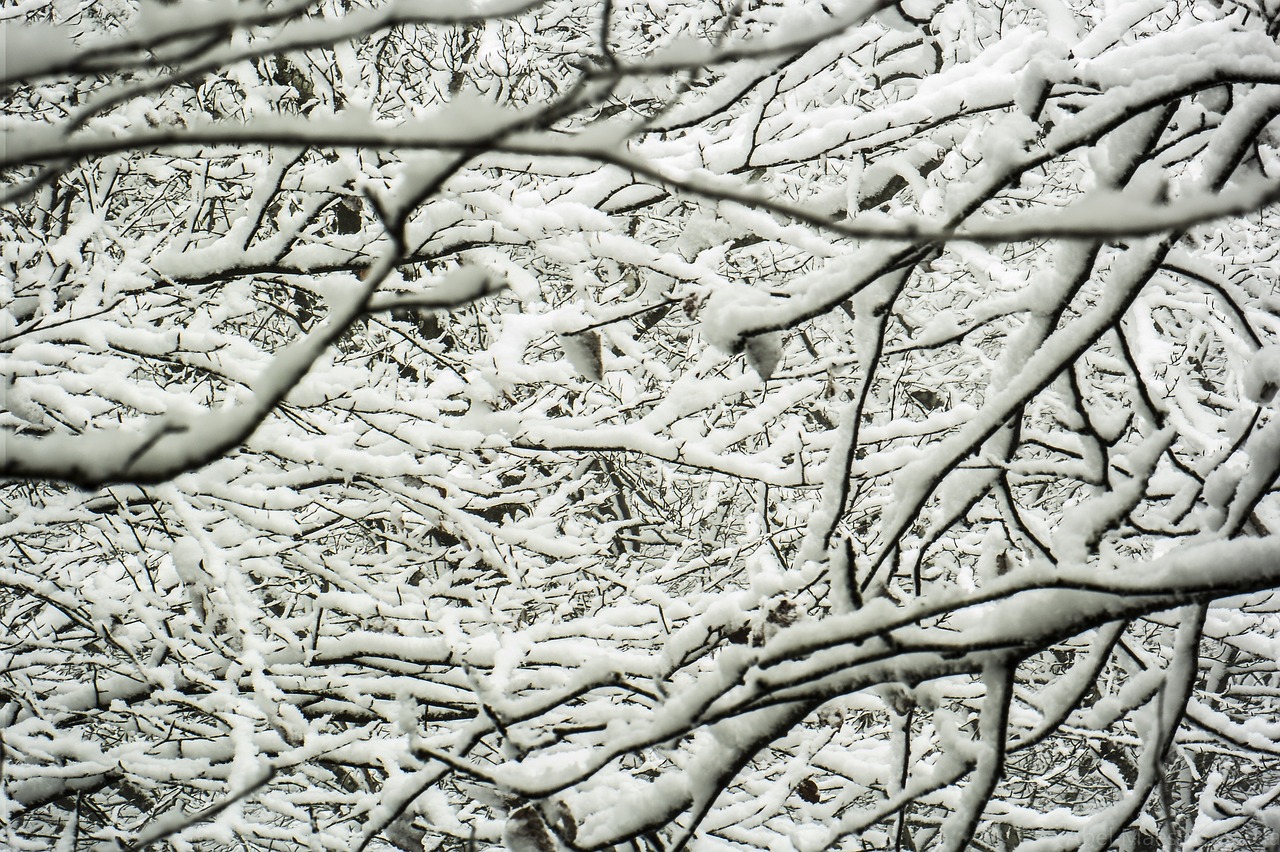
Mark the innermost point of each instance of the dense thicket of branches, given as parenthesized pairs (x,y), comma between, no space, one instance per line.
(663,423)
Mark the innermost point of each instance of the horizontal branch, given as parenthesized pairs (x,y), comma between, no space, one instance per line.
(163,446)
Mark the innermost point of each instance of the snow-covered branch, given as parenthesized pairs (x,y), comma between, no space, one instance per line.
(675,424)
